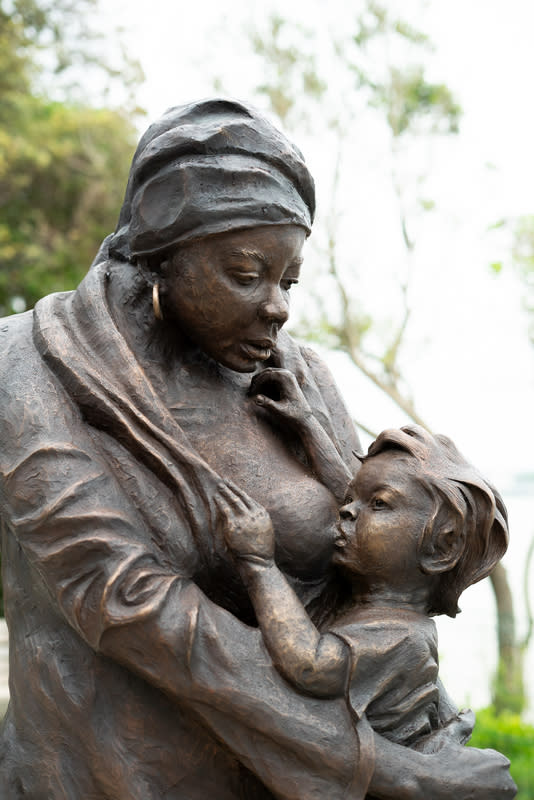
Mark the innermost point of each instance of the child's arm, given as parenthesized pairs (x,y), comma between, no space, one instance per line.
(292,409)
(316,663)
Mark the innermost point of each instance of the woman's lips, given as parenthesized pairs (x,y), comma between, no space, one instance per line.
(258,350)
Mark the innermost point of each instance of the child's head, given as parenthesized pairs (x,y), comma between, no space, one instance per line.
(417,502)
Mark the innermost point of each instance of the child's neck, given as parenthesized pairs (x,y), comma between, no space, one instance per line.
(378,596)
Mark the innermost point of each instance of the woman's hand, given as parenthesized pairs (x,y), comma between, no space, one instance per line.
(247,526)
(455,772)
(472,774)
(458,729)
(277,390)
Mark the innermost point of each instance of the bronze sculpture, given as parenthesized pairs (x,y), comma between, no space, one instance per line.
(136,670)
(417,526)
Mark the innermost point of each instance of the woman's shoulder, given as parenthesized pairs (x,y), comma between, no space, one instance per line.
(16,342)
(23,375)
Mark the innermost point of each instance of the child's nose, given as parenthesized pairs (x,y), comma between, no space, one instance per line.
(349,511)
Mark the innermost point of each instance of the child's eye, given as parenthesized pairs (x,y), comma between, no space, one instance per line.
(287,283)
(377,503)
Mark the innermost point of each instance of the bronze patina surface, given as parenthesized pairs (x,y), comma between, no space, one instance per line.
(130,411)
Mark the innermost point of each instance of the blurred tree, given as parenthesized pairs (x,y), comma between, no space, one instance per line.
(518,244)
(63,162)
(410,110)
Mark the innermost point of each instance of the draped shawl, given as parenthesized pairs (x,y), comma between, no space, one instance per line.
(125,678)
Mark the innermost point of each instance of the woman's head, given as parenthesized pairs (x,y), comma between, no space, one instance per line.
(229,293)
(209,168)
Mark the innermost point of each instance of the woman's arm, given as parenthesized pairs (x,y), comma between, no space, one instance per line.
(159,624)
(106,577)
(462,773)
(107,582)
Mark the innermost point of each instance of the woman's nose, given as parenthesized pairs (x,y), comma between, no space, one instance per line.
(349,511)
(275,308)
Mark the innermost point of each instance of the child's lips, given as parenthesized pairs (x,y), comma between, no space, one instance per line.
(341,539)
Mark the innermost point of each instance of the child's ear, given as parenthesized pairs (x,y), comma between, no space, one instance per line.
(442,544)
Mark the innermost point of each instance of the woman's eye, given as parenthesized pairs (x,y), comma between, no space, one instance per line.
(245,278)
(377,503)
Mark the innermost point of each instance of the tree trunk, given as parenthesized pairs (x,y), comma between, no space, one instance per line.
(508,689)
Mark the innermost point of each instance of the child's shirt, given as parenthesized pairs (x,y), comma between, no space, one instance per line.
(394,670)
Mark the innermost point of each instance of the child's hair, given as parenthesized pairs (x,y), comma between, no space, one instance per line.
(456,489)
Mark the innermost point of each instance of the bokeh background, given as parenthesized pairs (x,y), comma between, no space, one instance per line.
(417,121)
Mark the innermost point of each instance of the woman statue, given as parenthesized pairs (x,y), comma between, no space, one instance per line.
(136,669)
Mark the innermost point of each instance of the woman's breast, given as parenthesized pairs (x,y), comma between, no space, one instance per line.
(260,458)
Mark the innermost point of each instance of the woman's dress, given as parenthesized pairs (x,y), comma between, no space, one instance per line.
(128,677)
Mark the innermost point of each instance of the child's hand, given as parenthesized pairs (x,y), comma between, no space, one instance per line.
(247,526)
(278,391)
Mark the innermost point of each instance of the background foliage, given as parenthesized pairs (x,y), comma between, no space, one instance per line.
(63,160)
(506,733)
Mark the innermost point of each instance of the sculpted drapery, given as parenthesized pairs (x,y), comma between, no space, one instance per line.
(126,680)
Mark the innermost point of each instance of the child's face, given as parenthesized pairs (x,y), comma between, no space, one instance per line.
(383,519)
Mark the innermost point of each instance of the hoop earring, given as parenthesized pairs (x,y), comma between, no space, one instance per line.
(155,302)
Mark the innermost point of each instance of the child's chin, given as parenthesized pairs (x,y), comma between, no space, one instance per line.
(339,558)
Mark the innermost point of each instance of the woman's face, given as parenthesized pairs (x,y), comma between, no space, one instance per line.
(229,293)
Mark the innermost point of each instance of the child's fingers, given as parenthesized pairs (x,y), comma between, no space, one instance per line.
(231,490)
(234,499)
(283,379)
(222,506)
(260,378)
(227,495)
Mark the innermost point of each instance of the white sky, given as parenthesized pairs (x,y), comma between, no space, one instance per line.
(478,336)
(467,354)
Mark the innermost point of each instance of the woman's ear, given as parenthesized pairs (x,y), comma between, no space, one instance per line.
(442,544)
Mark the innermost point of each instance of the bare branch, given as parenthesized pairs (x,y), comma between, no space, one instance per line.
(404,403)
(365,429)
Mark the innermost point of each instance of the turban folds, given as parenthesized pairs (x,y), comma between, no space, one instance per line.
(206,168)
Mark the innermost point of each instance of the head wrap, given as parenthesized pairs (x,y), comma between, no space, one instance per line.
(210,167)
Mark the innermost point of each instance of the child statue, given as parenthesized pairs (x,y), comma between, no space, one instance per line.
(418,525)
